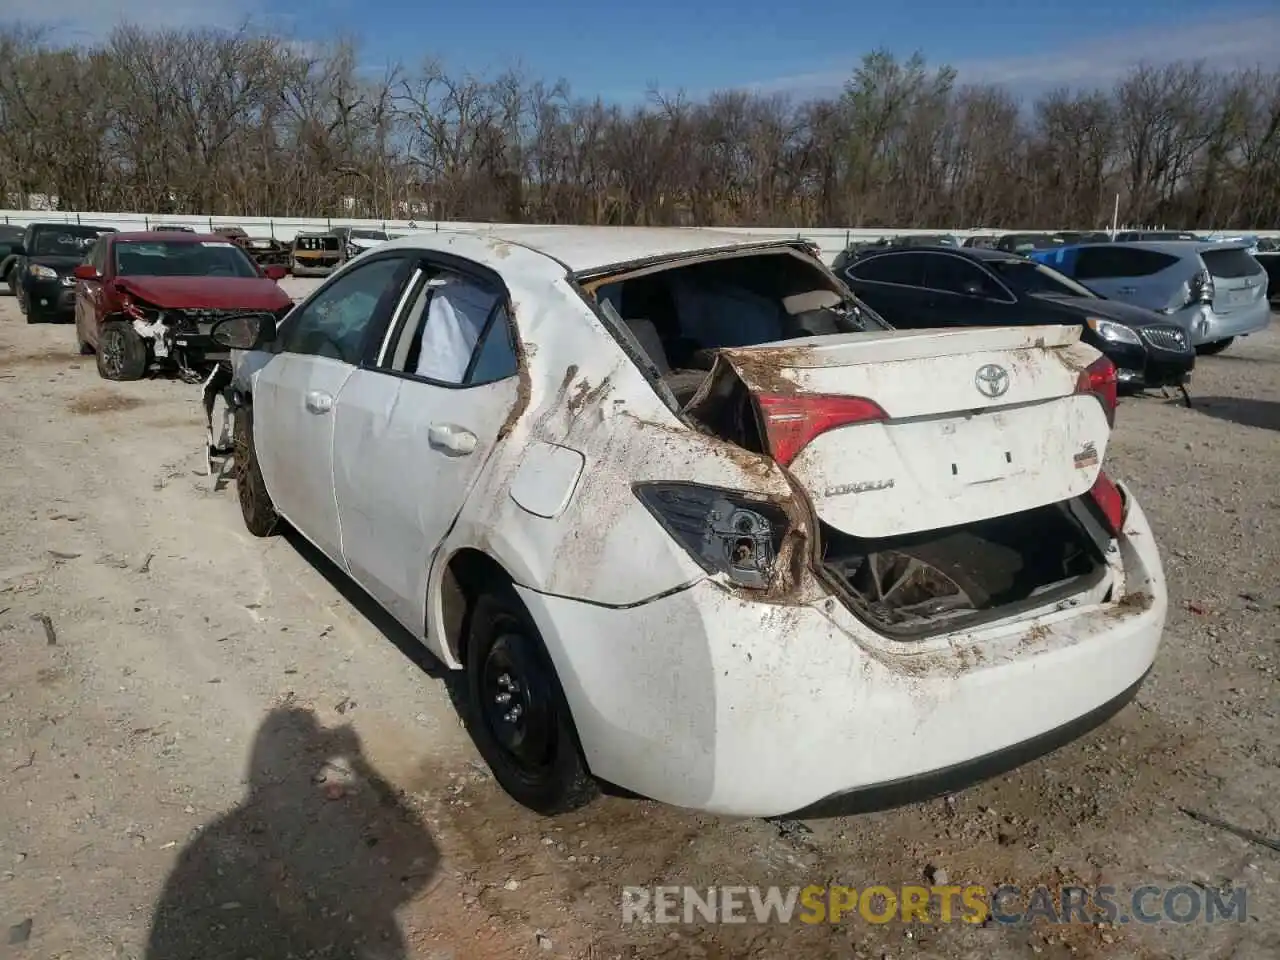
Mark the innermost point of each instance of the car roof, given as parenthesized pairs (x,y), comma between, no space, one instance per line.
(63,225)
(969,253)
(168,236)
(584,251)
(1174,248)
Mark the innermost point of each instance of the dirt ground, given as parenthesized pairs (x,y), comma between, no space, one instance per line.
(156,662)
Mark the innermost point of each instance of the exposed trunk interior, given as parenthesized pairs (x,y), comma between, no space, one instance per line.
(681,315)
(947,579)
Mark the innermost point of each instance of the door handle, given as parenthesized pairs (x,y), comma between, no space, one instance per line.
(454,441)
(318,402)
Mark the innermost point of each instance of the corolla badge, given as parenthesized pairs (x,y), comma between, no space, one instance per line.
(992,380)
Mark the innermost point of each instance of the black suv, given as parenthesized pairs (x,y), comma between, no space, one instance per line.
(968,287)
(44,264)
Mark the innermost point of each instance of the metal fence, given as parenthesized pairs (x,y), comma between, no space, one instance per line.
(831,240)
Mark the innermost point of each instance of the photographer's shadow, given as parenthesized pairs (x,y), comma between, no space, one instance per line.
(312,863)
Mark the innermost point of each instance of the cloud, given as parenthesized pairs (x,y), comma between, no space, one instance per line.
(87,21)
(1226,41)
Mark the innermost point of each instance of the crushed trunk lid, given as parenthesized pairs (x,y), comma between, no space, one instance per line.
(895,432)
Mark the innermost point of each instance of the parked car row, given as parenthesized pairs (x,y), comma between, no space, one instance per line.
(309,254)
(920,287)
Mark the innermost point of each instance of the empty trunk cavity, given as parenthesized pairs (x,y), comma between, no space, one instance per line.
(913,586)
(723,405)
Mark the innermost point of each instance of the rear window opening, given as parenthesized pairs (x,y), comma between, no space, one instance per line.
(680,316)
(328,244)
(1231,264)
(913,586)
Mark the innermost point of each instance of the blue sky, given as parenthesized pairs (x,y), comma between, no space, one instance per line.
(800,47)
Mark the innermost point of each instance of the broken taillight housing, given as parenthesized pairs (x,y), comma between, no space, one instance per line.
(724,531)
(1099,379)
(792,421)
(1200,288)
(1110,503)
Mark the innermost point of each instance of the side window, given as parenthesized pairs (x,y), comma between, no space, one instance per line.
(1111,261)
(457,332)
(901,268)
(956,275)
(336,321)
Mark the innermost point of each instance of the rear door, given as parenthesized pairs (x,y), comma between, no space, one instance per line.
(1239,280)
(962,294)
(976,423)
(892,284)
(318,349)
(1136,275)
(414,429)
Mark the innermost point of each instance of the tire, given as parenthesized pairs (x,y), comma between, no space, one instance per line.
(1217,346)
(536,757)
(259,512)
(122,354)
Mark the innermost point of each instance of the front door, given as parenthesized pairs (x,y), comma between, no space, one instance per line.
(317,350)
(89,297)
(414,430)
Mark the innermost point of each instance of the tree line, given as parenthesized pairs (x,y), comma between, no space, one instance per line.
(239,123)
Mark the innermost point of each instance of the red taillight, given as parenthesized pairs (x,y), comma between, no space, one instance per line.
(790,422)
(1099,379)
(1110,501)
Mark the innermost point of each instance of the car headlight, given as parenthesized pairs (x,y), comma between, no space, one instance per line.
(1115,332)
(40,270)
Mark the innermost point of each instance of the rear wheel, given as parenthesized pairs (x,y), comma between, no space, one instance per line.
(122,354)
(259,512)
(1217,346)
(518,715)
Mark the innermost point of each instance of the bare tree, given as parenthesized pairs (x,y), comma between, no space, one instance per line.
(209,122)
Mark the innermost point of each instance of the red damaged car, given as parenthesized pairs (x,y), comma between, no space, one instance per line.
(151,298)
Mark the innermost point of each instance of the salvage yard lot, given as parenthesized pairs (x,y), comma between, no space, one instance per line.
(157,662)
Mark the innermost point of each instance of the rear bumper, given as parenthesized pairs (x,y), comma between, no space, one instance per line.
(1205,325)
(708,700)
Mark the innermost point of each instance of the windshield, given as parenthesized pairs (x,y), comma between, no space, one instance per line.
(209,258)
(1029,278)
(368,235)
(68,241)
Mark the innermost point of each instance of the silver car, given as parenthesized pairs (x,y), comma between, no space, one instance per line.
(1216,291)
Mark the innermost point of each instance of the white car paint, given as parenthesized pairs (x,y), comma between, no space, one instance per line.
(682,685)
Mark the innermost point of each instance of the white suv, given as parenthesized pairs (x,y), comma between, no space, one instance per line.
(689,520)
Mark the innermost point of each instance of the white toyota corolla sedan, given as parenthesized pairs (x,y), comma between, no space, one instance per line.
(690,521)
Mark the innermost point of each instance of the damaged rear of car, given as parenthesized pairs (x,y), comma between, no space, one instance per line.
(921,572)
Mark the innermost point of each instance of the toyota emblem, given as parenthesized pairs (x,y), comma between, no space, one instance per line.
(992,380)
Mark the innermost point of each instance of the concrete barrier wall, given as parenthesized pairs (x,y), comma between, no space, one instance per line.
(831,239)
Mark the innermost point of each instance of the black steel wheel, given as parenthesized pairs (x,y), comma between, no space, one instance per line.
(519,718)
